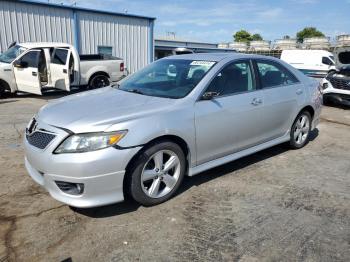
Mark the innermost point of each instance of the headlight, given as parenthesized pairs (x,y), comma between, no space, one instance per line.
(80,143)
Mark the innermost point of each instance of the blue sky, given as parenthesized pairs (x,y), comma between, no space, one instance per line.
(217,20)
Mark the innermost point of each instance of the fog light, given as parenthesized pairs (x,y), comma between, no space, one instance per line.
(325,86)
(70,188)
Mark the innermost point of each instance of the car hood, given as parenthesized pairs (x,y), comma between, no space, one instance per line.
(97,110)
(5,65)
(342,56)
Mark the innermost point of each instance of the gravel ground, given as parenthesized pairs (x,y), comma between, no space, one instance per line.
(276,205)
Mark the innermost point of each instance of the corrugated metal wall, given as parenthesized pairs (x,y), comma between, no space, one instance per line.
(130,37)
(29,23)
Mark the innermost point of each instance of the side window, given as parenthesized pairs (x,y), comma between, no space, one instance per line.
(60,56)
(234,78)
(31,59)
(326,61)
(272,74)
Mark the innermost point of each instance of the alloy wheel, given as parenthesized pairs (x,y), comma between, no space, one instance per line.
(301,130)
(160,174)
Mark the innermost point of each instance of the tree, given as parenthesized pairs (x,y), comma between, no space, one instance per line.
(242,36)
(308,32)
(256,37)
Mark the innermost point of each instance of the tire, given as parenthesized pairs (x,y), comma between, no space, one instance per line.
(300,131)
(149,180)
(98,81)
(2,91)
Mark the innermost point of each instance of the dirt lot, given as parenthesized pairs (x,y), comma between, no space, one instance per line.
(276,205)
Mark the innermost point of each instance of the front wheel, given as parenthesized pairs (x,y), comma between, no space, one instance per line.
(300,131)
(2,91)
(157,173)
(98,81)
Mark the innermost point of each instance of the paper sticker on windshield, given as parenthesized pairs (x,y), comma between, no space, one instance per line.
(203,63)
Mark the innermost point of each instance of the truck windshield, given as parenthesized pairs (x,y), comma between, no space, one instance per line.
(10,54)
(171,78)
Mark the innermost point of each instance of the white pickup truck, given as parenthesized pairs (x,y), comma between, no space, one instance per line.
(33,67)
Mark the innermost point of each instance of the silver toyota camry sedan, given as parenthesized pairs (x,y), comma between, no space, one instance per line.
(178,116)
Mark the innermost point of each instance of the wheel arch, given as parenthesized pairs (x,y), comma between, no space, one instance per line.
(169,138)
(4,84)
(96,74)
(309,109)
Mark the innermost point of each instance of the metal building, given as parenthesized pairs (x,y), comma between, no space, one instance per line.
(90,31)
(165,47)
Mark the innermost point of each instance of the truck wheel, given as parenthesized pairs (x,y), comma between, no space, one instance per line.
(98,81)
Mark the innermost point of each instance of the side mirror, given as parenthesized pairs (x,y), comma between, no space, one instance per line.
(20,64)
(209,95)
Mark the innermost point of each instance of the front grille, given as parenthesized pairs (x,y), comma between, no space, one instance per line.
(40,139)
(340,83)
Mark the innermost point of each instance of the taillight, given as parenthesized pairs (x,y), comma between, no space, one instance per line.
(121,67)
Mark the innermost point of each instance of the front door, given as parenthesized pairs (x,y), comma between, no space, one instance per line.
(59,68)
(26,71)
(229,122)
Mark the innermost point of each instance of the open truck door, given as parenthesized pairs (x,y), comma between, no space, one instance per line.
(60,69)
(26,71)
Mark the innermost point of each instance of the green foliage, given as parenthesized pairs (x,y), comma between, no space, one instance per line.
(242,36)
(308,32)
(256,37)
(245,36)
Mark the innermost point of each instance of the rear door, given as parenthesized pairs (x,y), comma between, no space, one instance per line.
(26,71)
(59,69)
(231,121)
(283,95)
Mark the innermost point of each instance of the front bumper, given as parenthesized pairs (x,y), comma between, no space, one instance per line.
(102,172)
(341,96)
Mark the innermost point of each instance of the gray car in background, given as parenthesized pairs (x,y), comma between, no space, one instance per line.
(178,116)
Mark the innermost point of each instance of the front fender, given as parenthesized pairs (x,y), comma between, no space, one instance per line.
(141,131)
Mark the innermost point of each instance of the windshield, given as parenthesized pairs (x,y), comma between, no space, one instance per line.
(171,78)
(10,54)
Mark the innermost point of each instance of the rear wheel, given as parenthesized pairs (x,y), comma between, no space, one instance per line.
(157,173)
(98,81)
(300,131)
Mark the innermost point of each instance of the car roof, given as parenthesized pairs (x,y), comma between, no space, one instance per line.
(217,56)
(43,44)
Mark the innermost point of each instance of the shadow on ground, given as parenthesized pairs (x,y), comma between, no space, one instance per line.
(334,104)
(130,206)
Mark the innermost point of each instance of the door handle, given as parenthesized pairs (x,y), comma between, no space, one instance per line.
(299,91)
(34,74)
(256,101)
(65,71)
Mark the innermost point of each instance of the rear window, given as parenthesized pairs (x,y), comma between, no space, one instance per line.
(344,57)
